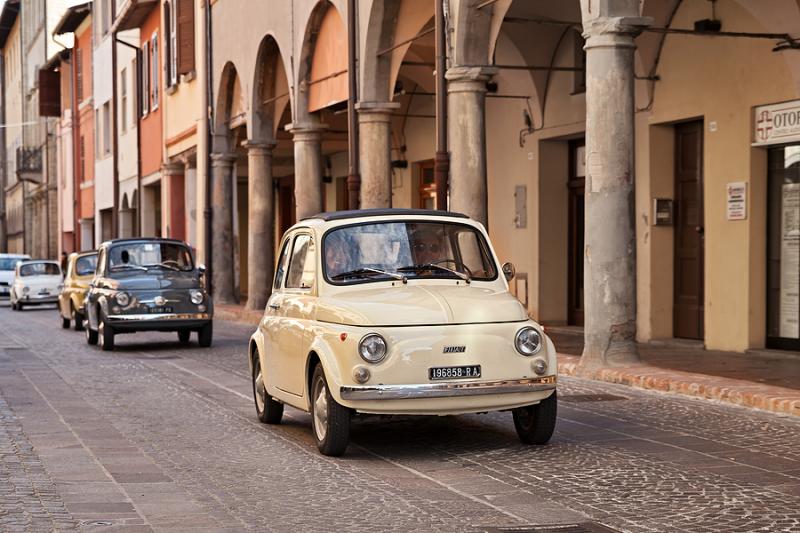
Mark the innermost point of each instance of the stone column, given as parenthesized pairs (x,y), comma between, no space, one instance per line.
(260,258)
(222,165)
(610,249)
(466,106)
(375,153)
(308,167)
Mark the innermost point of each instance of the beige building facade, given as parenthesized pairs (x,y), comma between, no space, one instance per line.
(712,253)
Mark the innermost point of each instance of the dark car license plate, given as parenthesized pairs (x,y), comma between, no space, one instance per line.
(454,372)
(160,310)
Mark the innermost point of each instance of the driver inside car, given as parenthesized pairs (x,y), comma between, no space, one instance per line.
(427,245)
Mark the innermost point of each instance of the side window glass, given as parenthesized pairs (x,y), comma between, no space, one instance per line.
(281,270)
(301,264)
(101,264)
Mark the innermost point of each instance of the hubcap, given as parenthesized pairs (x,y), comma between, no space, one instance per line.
(259,388)
(320,410)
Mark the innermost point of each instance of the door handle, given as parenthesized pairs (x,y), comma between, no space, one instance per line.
(274,306)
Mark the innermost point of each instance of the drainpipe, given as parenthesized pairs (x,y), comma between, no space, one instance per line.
(441,163)
(3,159)
(137,230)
(354,177)
(114,138)
(208,214)
(76,154)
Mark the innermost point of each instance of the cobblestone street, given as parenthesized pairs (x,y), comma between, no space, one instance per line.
(158,436)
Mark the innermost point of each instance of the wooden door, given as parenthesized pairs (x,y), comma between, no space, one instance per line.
(688,309)
(427,186)
(575,246)
(286,206)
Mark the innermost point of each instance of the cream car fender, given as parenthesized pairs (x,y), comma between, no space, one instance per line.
(321,349)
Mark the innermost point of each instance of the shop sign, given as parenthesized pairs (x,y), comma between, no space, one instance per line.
(777,123)
(737,200)
(789,321)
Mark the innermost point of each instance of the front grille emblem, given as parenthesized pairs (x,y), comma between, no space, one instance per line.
(159,300)
(454,349)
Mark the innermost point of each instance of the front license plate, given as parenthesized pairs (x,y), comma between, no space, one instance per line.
(160,310)
(454,372)
(43,292)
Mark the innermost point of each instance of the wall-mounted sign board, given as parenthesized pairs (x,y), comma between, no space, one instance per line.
(776,123)
(737,200)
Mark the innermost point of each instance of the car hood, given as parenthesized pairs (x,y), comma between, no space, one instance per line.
(40,281)
(417,305)
(154,280)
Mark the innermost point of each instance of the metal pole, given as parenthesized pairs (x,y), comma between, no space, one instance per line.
(353,177)
(441,165)
(208,213)
(114,140)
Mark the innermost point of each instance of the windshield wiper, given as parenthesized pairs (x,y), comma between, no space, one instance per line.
(428,266)
(368,270)
(126,265)
(165,265)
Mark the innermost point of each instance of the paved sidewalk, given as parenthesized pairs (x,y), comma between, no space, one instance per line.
(765,380)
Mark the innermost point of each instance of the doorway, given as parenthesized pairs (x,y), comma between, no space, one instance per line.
(426,198)
(286,204)
(576,208)
(688,305)
(783,248)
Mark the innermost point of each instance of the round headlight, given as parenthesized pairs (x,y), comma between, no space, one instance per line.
(372,348)
(539,366)
(528,341)
(196,296)
(123,299)
(26,290)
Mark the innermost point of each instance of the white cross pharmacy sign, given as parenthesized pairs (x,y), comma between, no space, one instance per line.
(776,123)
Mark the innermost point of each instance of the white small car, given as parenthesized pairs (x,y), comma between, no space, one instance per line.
(8,263)
(398,311)
(36,283)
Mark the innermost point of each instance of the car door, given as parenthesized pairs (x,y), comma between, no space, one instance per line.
(295,308)
(94,290)
(272,320)
(65,297)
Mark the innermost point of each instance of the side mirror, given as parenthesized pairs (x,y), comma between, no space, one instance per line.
(509,271)
(201,268)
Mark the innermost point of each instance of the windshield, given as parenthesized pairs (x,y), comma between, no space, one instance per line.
(39,269)
(149,255)
(9,263)
(411,250)
(85,266)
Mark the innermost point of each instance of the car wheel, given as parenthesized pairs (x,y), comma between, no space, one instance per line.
(77,318)
(184,335)
(268,410)
(91,335)
(105,334)
(329,420)
(535,423)
(205,334)
(19,306)
(65,322)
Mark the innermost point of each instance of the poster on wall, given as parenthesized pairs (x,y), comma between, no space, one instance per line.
(790,262)
(737,200)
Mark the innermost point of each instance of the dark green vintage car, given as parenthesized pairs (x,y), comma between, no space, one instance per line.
(147,285)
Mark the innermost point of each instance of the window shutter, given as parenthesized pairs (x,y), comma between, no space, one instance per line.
(185,35)
(49,93)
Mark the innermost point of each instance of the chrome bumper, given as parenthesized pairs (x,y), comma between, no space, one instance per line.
(446,390)
(148,317)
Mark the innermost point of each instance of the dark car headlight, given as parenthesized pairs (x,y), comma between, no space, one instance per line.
(196,296)
(123,298)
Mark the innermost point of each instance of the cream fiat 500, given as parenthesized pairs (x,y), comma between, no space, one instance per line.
(397,312)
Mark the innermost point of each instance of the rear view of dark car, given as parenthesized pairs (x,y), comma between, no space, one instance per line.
(147,285)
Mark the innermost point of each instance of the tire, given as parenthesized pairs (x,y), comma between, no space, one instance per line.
(330,422)
(268,410)
(91,335)
(14,306)
(65,322)
(184,335)
(535,423)
(105,334)
(205,335)
(77,318)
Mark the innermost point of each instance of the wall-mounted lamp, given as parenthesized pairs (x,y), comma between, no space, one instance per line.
(528,129)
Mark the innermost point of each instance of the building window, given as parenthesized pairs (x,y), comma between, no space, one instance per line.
(579,79)
(98,123)
(171,63)
(154,84)
(135,88)
(184,40)
(106,128)
(145,96)
(123,98)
